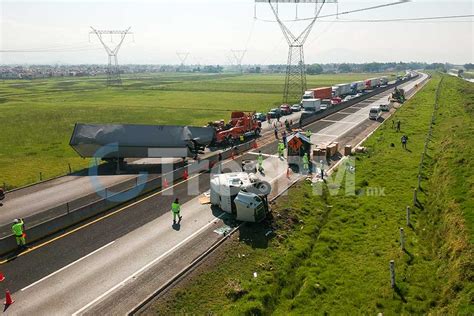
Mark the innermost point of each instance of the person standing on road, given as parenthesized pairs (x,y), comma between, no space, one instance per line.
(398,125)
(308,133)
(260,161)
(322,170)
(281,150)
(242,138)
(176,210)
(275,130)
(18,230)
(305,163)
(404,140)
(2,196)
(283,137)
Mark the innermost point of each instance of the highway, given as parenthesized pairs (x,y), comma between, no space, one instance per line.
(47,195)
(109,264)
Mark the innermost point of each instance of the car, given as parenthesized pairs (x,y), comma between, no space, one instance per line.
(384,107)
(349,97)
(260,117)
(285,109)
(275,113)
(336,100)
(323,106)
(296,108)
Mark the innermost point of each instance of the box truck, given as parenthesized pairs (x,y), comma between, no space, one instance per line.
(311,105)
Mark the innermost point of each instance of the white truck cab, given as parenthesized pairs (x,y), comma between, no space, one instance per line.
(242,194)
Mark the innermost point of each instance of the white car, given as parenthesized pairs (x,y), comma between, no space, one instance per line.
(349,97)
(296,107)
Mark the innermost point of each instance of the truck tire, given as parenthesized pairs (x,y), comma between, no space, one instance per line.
(261,188)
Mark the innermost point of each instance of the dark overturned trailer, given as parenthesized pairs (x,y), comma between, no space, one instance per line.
(119,141)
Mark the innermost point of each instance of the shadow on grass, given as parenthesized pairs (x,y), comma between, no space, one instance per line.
(255,235)
(400,294)
(411,257)
(419,205)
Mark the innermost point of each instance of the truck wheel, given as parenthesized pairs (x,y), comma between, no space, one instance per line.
(264,188)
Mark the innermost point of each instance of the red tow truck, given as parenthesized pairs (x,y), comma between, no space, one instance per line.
(241,124)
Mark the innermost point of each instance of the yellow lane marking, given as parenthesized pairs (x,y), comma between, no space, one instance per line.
(94,221)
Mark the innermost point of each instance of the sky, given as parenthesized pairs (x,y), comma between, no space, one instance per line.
(58,32)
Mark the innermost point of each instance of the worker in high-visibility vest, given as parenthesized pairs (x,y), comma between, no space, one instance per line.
(18,231)
(306,162)
(308,134)
(176,209)
(281,150)
(260,161)
(242,138)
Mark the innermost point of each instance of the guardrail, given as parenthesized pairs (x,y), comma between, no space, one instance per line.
(313,117)
(69,214)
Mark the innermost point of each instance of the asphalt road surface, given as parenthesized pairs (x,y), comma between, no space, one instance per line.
(90,268)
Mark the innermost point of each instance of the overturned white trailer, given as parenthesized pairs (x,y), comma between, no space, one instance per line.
(119,141)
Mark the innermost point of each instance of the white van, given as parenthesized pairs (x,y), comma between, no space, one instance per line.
(375,112)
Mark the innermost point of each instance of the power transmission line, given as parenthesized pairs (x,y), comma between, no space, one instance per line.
(414,19)
(333,14)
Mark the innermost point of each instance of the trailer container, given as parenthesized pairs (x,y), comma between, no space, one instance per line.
(119,141)
(341,89)
(318,93)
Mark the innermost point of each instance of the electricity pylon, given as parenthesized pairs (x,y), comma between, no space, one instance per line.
(238,56)
(113,70)
(295,79)
(182,58)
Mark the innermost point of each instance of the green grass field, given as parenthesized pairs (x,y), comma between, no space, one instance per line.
(37,116)
(331,253)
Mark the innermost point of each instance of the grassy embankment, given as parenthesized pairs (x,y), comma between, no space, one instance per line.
(331,253)
(37,116)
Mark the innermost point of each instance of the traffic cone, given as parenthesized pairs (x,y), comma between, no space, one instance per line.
(288,172)
(232,155)
(255,145)
(2,277)
(8,298)
(185,174)
(165,183)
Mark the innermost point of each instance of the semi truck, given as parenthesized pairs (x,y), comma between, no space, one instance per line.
(242,194)
(120,141)
(372,83)
(357,86)
(383,81)
(342,89)
(311,105)
(318,93)
(241,124)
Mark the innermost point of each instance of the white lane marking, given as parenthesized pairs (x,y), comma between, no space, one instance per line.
(264,155)
(346,122)
(325,135)
(100,297)
(64,268)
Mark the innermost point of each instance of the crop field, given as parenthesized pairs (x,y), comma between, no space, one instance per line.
(330,252)
(37,116)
